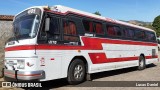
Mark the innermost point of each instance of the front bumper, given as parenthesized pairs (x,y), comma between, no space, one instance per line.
(24,75)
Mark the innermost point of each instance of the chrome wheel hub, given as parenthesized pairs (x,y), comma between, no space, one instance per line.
(78,72)
(141,63)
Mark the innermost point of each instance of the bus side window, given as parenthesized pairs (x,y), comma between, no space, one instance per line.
(99,28)
(53,35)
(54,31)
(70,31)
(150,36)
(114,31)
(140,34)
(118,31)
(88,26)
(111,31)
(128,33)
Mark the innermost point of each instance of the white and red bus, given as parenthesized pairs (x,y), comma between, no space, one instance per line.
(60,42)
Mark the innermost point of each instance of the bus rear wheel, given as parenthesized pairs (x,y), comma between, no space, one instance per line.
(76,72)
(142,64)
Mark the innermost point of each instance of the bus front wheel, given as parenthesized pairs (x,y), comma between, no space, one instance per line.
(76,72)
(142,64)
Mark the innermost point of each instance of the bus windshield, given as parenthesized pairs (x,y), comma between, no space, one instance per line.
(26,26)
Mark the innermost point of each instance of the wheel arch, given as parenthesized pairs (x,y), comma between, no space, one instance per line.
(81,58)
(142,54)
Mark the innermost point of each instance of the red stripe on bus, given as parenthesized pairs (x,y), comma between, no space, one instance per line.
(150,57)
(89,44)
(21,47)
(98,58)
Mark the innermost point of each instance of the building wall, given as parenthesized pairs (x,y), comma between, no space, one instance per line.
(6,31)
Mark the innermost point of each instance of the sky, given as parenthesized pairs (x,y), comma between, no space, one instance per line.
(143,10)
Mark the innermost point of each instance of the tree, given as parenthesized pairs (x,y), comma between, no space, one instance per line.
(156,25)
(97,13)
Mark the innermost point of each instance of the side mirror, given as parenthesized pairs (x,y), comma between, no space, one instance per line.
(47,24)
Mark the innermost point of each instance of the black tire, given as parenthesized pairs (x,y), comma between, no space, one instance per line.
(142,64)
(76,72)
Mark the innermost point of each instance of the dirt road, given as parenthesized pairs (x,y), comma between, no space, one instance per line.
(151,73)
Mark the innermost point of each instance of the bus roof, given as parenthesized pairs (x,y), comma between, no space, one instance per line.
(66,10)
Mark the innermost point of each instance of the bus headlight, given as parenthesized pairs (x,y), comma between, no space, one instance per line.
(20,64)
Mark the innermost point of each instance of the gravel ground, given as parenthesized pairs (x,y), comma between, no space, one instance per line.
(151,73)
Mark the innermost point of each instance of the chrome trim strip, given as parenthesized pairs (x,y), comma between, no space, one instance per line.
(10,74)
(25,75)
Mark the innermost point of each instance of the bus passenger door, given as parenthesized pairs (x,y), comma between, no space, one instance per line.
(47,50)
